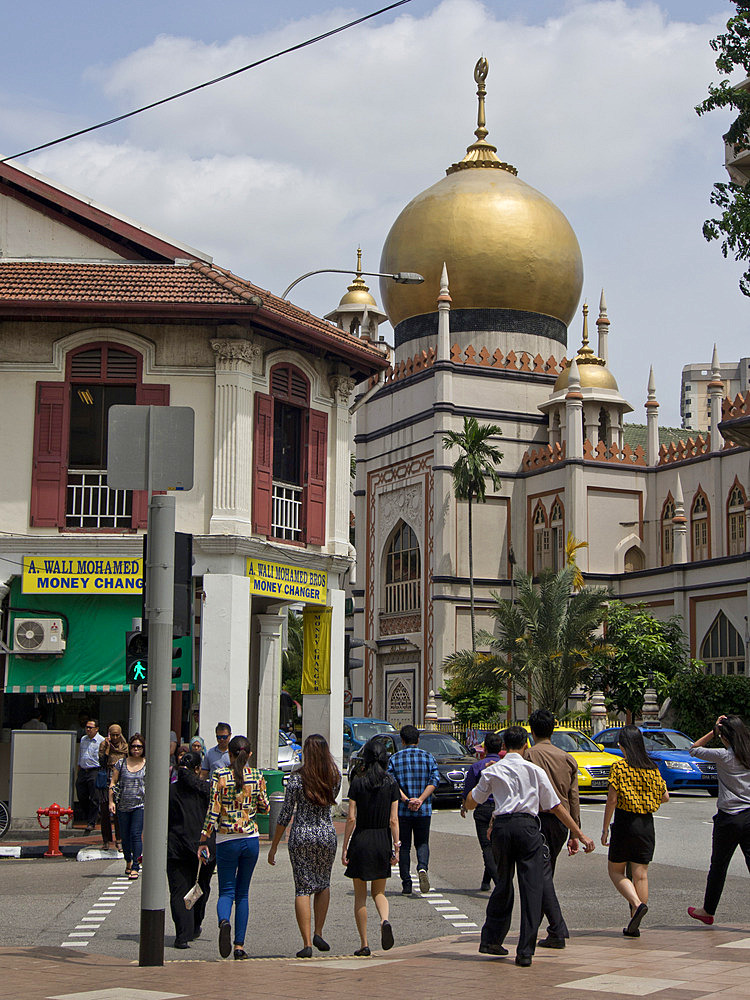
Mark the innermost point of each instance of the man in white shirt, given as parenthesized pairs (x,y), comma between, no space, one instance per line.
(520,790)
(88,766)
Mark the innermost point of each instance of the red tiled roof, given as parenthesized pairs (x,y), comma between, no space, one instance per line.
(194,284)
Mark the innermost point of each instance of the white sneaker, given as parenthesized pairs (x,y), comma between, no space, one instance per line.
(424,881)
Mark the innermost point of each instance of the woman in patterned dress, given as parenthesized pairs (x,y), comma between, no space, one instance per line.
(310,793)
(636,790)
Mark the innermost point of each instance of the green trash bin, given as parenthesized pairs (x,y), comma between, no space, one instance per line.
(274,783)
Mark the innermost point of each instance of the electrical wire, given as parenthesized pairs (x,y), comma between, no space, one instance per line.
(209,83)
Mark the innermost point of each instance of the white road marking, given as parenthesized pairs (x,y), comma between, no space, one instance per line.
(97,914)
(455,916)
(74,944)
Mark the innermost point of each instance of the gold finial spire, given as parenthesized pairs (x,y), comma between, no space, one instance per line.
(359,284)
(585,355)
(481,153)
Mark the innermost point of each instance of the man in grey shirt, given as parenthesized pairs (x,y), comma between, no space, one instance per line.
(88,767)
(217,756)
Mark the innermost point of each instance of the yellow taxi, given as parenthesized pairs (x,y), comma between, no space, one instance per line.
(594,764)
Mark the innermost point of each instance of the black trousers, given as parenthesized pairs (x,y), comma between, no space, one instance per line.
(181,878)
(517,845)
(730,831)
(419,828)
(555,834)
(482,817)
(89,796)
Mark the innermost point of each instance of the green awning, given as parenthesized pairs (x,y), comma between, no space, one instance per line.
(94,657)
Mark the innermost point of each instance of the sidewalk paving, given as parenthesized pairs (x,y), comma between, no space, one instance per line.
(670,963)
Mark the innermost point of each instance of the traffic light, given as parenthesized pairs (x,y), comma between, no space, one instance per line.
(351,662)
(136,658)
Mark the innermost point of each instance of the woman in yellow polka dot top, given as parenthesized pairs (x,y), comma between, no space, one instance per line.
(636,790)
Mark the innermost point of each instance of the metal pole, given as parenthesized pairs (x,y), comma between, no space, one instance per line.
(159,611)
(135,714)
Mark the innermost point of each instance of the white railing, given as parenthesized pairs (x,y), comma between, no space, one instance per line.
(401,597)
(91,503)
(286,512)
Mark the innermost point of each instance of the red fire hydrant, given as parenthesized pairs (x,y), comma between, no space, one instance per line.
(57,815)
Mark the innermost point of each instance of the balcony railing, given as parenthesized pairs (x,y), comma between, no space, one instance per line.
(402,597)
(91,503)
(286,512)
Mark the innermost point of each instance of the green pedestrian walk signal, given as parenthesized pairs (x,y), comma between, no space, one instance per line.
(136,658)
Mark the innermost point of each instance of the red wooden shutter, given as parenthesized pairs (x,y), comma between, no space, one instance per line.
(262,464)
(146,394)
(317,473)
(50,460)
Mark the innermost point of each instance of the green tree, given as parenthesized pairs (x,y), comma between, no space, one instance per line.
(699,698)
(638,645)
(732,227)
(472,704)
(472,468)
(291,658)
(545,639)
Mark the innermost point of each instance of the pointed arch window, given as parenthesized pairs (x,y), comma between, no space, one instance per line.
(634,561)
(700,534)
(723,650)
(736,520)
(403,572)
(605,427)
(557,529)
(667,532)
(542,540)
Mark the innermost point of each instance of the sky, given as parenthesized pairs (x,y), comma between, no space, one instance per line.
(291,166)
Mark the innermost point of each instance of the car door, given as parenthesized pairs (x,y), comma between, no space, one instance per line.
(347,744)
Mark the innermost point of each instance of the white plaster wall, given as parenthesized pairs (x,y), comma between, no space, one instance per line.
(25,232)
(225,652)
(490,532)
(194,506)
(606,512)
(16,450)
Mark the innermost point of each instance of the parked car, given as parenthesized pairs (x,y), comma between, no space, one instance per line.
(670,749)
(358,730)
(290,753)
(593,763)
(453,760)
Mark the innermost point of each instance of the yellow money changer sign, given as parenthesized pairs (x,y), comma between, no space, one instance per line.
(287,583)
(316,657)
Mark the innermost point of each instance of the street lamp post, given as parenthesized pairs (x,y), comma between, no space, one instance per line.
(401,277)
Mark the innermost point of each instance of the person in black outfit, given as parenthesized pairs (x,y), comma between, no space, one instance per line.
(188,802)
(493,752)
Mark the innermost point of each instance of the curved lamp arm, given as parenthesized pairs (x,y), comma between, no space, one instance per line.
(402,277)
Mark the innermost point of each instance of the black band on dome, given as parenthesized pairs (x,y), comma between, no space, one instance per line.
(481,320)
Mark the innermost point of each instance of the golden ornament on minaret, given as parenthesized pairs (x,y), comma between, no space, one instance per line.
(506,245)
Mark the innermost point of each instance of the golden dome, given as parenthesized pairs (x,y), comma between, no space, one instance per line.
(358,293)
(592,370)
(506,245)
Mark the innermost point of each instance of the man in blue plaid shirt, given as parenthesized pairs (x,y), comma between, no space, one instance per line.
(416,772)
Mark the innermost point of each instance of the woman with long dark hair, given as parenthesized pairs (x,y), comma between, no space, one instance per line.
(238,792)
(310,793)
(732,819)
(636,790)
(127,796)
(371,839)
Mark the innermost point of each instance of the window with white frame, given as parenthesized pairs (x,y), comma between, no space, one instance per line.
(542,540)
(699,527)
(723,650)
(403,572)
(736,521)
(558,536)
(667,533)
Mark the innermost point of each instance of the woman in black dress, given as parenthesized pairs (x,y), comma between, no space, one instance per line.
(371,839)
(310,793)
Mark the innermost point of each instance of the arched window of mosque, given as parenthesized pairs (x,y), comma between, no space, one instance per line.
(605,429)
(399,702)
(699,527)
(403,571)
(723,650)
(667,533)
(736,521)
(542,540)
(558,535)
(634,561)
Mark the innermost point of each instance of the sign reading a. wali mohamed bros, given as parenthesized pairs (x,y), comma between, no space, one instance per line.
(81,575)
(287,583)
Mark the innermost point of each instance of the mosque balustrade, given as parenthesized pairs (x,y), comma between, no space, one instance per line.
(477,358)
(546,455)
(613,454)
(682,451)
(401,597)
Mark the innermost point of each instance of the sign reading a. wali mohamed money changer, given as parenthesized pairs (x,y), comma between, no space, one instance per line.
(82,575)
(287,583)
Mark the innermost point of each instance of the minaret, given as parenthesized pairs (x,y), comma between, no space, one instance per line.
(679,526)
(602,325)
(652,422)
(444,318)
(358,313)
(715,395)
(574,414)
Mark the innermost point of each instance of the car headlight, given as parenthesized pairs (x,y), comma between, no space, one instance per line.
(678,765)
(297,755)
(584,771)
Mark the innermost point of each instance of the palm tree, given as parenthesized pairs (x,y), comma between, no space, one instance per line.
(545,639)
(474,465)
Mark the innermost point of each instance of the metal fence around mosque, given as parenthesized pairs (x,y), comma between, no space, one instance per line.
(471,733)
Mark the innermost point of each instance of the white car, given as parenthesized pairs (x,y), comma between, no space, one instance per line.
(290,754)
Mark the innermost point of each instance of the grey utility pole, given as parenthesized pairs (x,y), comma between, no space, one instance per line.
(151,447)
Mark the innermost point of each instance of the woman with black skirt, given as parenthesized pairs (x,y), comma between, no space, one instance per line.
(371,840)
(636,790)
(732,819)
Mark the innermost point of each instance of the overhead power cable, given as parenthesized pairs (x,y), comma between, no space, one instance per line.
(209,83)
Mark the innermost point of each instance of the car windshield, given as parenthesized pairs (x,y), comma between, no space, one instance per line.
(285,740)
(363,731)
(573,741)
(660,740)
(439,744)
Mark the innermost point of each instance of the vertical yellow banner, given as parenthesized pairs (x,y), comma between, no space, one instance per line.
(316,656)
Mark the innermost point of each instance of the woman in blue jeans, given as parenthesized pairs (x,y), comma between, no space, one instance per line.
(238,792)
(128,783)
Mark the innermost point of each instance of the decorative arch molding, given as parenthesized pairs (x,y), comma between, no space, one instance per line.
(319,390)
(700,525)
(405,503)
(722,648)
(666,533)
(631,541)
(735,518)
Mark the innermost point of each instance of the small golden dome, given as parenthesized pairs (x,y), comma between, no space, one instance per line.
(358,293)
(592,370)
(505,244)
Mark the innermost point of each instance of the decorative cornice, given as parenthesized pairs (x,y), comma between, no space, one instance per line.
(230,354)
(342,386)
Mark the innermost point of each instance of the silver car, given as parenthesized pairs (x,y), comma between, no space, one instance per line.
(290,754)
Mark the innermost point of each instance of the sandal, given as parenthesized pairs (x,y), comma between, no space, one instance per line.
(133,874)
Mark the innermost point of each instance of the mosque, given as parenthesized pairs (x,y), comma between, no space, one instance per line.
(488,334)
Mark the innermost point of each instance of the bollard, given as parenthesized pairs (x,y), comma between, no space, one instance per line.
(57,815)
(276,802)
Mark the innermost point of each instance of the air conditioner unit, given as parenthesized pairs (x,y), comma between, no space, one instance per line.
(43,636)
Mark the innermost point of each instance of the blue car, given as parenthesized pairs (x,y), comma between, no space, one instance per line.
(358,730)
(670,749)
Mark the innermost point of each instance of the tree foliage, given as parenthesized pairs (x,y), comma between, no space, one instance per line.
(544,639)
(291,658)
(472,468)
(472,704)
(698,699)
(732,226)
(638,645)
